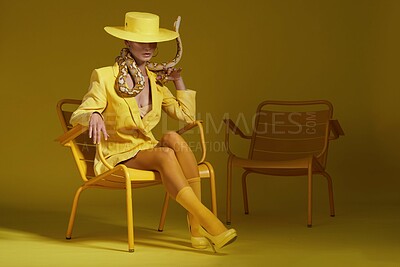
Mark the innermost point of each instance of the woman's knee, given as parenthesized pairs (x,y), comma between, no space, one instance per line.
(165,157)
(173,140)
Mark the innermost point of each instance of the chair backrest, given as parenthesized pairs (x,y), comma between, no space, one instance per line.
(286,130)
(83,149)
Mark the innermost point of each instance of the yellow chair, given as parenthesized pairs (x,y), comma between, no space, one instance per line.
(118,177)
(289,138)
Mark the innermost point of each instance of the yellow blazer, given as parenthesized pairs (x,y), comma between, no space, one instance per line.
(128,132)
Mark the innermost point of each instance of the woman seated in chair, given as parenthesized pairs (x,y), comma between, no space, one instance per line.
(124,104)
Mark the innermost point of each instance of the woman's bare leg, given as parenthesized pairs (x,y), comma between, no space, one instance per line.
(164,160)
(188,164)
(183,153)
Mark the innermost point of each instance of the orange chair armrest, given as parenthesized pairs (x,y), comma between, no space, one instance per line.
(190,126)
(235,129)
(336,129)
(99,152)
(70,135)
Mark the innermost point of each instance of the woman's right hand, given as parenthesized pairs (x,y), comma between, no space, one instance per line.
(96,127)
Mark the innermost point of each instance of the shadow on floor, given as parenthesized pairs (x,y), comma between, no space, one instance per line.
(88,230)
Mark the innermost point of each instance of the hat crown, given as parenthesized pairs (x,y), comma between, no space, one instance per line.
(142,23)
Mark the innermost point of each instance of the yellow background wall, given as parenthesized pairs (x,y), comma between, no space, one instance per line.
(236,54)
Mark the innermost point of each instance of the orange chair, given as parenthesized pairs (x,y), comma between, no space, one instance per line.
(118,177)
(289,138)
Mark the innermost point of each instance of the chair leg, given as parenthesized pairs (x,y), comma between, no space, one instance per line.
(244,189)
(330,191)
(212,188)
(129,214)
(310,185)
(229,191)
(73,212)
(164,213)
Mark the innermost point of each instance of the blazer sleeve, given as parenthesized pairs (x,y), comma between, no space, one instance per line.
(95,100)
(182,107)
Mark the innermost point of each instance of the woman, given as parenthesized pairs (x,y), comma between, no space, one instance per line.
(124,104)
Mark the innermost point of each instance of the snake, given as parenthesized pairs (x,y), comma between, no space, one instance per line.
(127,66)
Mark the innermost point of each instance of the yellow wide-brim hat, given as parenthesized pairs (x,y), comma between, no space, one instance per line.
(143,28)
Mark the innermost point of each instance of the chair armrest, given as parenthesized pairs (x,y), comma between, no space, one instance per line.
(336,129)
(99,152)
(235,129)
(190,126)
(230,125)
(71,134)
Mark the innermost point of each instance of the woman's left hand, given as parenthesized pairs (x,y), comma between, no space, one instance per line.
(170,74)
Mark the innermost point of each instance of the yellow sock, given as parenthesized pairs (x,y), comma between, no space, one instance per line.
(188,199)
(195,184)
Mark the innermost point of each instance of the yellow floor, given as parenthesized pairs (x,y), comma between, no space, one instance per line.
(360,235)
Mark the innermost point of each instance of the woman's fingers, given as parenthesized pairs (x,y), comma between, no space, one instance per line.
(105,133)
(96,128)
(94,135)
(90,131)
(170,74)
(98,131)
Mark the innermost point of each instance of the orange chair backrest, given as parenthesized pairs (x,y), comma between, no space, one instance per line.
(83,149)
(286,130)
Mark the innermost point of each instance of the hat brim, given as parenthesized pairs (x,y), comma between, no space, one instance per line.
(162,36)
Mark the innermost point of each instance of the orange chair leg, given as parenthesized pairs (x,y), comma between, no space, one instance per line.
(129,214)
(330,191)
(164,213)
(310,185)
(244,189)
(73,212)
(213,189)
(229,191)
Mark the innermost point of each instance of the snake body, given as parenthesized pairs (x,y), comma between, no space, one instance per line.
(127,65)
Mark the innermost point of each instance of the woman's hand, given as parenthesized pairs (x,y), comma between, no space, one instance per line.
(173,74)
(96,127)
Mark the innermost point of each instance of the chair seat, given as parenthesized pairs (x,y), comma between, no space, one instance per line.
(115,178)
(142,175)
(300,163)
(293,167)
